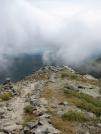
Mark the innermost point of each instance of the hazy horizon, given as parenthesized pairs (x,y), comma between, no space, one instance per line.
(65,31)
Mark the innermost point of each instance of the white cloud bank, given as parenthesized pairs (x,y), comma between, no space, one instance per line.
(68,31)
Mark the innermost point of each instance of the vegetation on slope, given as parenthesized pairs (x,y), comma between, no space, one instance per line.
(6,96)
(75,116)
(86,102)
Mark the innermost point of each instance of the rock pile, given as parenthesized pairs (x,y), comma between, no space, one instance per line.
(8,86)
(40,126)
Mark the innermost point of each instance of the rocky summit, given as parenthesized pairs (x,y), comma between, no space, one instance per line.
(52,100)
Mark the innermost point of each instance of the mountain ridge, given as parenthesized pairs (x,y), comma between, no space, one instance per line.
(53,99)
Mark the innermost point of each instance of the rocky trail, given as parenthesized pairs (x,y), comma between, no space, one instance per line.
(14,111)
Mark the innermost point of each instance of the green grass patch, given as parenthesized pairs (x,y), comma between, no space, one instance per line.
(73,76)
(75,116)
(27,118)
(82,96)
(90,108)
(88,103)
(28,109)
(64,75)
(6,96)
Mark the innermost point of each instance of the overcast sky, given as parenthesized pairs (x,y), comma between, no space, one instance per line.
(67,31)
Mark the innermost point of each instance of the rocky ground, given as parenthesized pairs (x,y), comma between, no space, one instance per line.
(39,101)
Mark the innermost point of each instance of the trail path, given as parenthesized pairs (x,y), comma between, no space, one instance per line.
(14,110)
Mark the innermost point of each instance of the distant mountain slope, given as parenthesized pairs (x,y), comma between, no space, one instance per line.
(92,68)
(22,66)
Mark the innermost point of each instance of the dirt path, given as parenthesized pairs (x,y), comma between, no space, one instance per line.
(19,102)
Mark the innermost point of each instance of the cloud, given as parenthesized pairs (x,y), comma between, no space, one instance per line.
(68,32)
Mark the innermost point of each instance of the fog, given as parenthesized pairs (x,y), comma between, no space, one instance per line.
(66,31)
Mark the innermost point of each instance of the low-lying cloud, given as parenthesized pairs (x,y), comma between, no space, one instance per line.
(67,32)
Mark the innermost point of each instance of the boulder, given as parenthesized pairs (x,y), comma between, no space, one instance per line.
(9,129)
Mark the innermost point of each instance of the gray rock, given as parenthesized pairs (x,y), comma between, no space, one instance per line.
(60,112)
(9,108)
(43,109)
(22,132)
(71,87)
(87,132)
(32,124)
(99,124)
(91,115)
(52,78)
(33,97)
(7,80)
(63,103)
(87,76)
(43,121)
(2,111)
(46,128)
(26,104)
(10,128)
(26,129)
(45,116)
(35,102)
(43,101)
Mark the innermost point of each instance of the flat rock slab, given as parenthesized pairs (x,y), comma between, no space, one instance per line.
(10,128)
